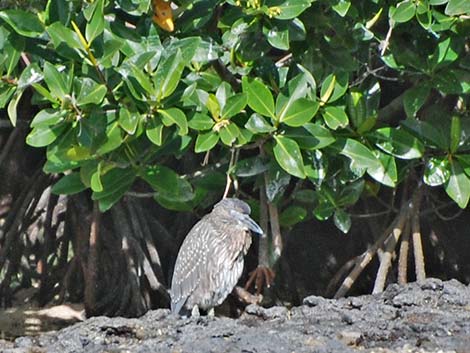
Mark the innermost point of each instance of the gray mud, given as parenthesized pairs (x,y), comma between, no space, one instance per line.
(431,317)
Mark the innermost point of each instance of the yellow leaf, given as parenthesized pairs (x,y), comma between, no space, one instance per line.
(163,15)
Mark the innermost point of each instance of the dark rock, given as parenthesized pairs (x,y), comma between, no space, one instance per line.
(428,317)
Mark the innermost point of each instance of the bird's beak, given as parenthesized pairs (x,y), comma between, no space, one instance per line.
(247,221)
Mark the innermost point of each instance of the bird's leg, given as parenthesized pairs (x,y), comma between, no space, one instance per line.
(195,312)
(246,296)
(211,313)
(260,276)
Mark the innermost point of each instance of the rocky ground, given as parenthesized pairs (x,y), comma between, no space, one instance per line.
(431,317)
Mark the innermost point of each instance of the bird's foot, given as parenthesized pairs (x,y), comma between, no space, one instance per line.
(195,312)
(260,277)
(246,296)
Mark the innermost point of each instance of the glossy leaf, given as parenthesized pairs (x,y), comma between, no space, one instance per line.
(115,184)
(436,171)
(23,22)
(342,220)
(168,75)
(335,117)
(55,81)
(260,98)
(175,116)
(168,184)
(458,185)
(96,25)
(44,135)
(128,120)
(414,98)
(288,156)
(206,141)
(457,7)
(292,215)
(47,117)
(201,122)
(68,185)
(300,112)
(154,132)
(398,142)
(234,105)
(257,124)
(290,9)
(404,11)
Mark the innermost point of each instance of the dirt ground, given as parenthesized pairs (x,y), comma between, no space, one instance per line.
(430,317)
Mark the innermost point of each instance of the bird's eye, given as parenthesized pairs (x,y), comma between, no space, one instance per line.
(163,13)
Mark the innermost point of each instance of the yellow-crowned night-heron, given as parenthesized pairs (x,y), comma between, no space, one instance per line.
(210,261)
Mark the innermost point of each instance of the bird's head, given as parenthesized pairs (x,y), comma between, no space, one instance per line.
(238,211)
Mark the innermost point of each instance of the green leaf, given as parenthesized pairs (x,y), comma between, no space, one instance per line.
(250,167)
(360,155)
(47,117)
(206,141)
(201,122)
(257,124)
(458,185)
(398,142)
(386,170)
(90,92)
(24,23)
(404,11)
(168,184)
(175,116)
(426,132)
(213,106)
(342,220)
(335,117)
(414,98)
(341,85)
(229,133)
(290,9)
(277,36)
(68,185)
(55,80)
(168,75)
(357,109)
(260,98)
(115,184)
(327,88)
(234,105)
(342,7)
(455,134)
(300,112)
(288,156)
(292,215)
(320,133)
(31,74)
(457,7)
(128,120)
(12,107)
(154,132)
(436,171)
(44,135)
(96,25)
(113,139)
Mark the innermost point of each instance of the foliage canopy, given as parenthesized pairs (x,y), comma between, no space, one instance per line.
(337,97)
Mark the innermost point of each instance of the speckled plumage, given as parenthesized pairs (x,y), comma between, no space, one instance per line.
(210,260)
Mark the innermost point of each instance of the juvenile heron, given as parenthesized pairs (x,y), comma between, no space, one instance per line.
(210,261)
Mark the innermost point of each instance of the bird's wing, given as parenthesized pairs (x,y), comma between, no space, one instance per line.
(190,265)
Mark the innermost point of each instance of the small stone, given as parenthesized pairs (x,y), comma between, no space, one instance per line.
(350,338)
